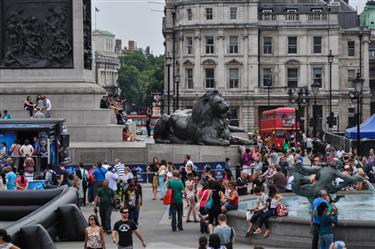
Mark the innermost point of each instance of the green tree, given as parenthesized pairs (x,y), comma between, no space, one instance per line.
(140,76)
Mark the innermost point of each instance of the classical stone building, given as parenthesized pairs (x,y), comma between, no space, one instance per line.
(107,62)
(254,51)
(367,20)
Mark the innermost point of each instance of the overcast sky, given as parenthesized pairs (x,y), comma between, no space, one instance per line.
(141,20)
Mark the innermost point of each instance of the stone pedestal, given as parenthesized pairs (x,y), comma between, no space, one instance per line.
(54,61)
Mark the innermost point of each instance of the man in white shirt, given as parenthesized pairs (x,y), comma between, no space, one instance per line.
(48,107)
(119,168)
(106,164)
(112,178)
(188,160)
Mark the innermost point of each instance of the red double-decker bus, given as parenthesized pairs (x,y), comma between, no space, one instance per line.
(278,124)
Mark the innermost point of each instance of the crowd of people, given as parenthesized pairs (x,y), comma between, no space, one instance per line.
(263,172)
(39,108)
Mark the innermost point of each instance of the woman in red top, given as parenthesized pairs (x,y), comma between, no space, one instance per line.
(204,195)
(232,200)
(21,182)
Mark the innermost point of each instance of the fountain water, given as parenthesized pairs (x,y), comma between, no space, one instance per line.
(370,186)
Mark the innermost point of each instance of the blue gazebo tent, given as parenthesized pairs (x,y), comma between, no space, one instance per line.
(367,130)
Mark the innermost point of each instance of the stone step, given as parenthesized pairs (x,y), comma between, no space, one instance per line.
(95,133)
(76,117)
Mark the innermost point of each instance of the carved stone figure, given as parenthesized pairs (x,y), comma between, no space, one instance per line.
(87,45)
(326,176)
(36,37)
(205,124)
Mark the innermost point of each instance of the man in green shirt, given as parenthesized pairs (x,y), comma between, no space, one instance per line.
(176,206)
(104,199)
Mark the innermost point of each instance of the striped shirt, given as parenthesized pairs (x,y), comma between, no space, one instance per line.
(120,169)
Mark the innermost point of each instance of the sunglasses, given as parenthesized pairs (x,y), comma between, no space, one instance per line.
(91,219)
(124,212)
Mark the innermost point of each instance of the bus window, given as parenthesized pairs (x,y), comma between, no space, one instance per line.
(280,134)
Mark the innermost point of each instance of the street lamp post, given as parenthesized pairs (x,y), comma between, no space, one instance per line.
(169,64)
(330,61)
(358,87)
(177,91)
(315,89)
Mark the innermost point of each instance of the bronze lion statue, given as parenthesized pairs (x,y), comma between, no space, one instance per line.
(206,124)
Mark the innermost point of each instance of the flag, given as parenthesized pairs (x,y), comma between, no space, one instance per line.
(96,9)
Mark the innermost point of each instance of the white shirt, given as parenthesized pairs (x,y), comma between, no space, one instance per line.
(26,149)
(112,179)
(189,162)
(106,166)
(49,105)
(309,142)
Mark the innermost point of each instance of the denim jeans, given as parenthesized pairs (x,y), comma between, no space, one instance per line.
(325,241)
(177,212)
(265,216)
(105,217)
(162,186)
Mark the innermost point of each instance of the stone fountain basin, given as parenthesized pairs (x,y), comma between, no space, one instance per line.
(295,232)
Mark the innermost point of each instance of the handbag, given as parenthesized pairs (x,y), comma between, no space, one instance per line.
(281,210)
(209,202)
(168,198)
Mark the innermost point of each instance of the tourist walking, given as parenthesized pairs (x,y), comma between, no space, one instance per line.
(122,234)
(190,197)
(153,169)
(325,226)
(82,174)
(99,174)
(94,235)
(5,240)
(225,232)
(15,153)
(204,195)
(50,177)
(215,210)
(315,218)
(177,205)
(133,201)
(162,173)
(112,178)
(63,175)
(105,199)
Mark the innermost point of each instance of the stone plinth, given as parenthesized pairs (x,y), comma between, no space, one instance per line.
(143,153)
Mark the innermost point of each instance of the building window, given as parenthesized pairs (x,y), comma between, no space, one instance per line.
(233,77)
(317,44)
(234,118)
(189,41)
(233,13)
(317,75)
(351,48)
(267,77)
(209,13)
(189,78)
(210,78)
(292,45)
(189,14)
(292,77)
(267,15)
(351,76)
(233,44)
(291,15)
(267,45)
(210,45)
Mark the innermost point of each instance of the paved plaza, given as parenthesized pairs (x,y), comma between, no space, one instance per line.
(155,228)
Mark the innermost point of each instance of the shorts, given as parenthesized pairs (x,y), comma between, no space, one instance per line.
(229,206)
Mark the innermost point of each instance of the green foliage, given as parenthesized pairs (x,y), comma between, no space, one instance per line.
(140,76)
